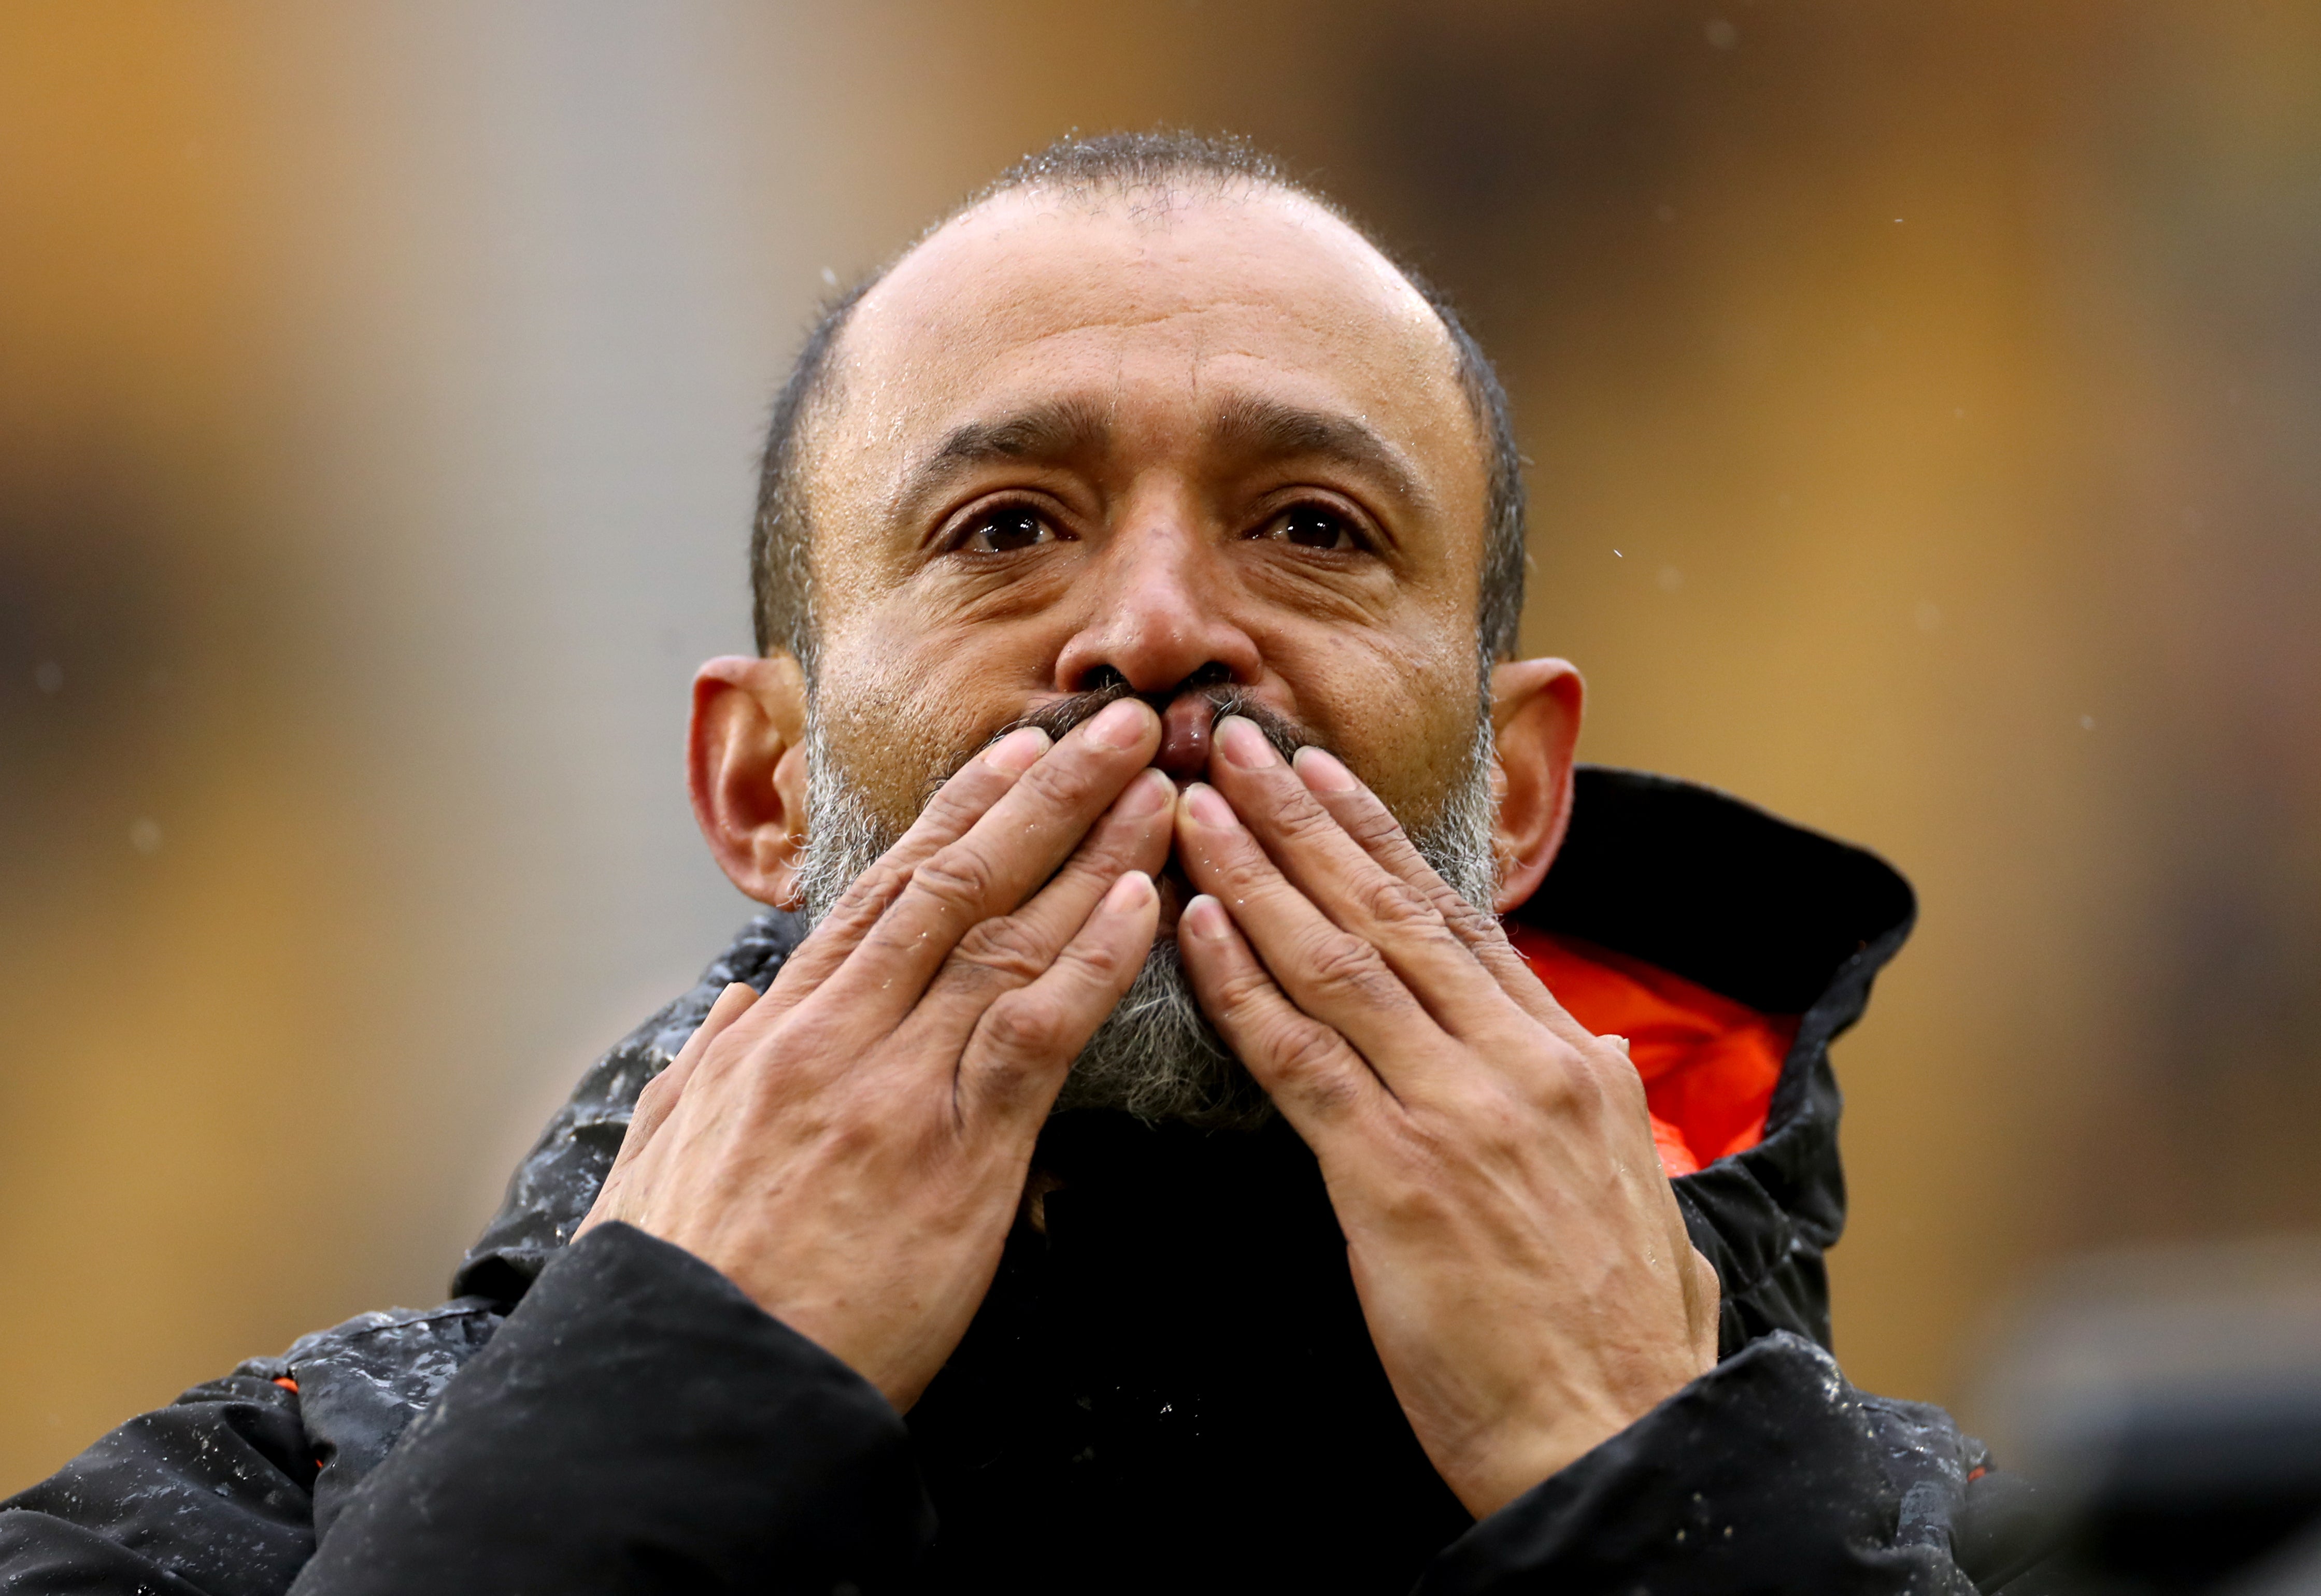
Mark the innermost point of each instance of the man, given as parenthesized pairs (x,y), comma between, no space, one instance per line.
(1205,1140)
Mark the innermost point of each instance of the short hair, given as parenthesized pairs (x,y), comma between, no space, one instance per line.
(780,554)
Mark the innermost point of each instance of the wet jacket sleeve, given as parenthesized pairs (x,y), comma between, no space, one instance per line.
(638,1425)
(211,1496)
(1769,1473)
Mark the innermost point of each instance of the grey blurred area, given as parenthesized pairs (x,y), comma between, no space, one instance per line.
(2166,1403)
(2294,1569)
(1920,399)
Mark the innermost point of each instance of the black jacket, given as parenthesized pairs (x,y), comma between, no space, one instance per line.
(1170,1388)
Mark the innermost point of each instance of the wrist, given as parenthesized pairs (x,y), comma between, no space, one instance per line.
(1529,1447)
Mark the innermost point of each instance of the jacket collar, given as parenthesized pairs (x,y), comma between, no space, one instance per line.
(1783,920)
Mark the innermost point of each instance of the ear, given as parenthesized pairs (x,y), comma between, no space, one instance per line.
(745,767)
(1535,710)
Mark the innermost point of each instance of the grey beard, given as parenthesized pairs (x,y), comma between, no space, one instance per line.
(1156,1055)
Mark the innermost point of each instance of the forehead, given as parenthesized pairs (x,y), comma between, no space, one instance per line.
(1160,309)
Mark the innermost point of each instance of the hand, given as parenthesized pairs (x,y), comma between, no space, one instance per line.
(1521,1261)
(849,1148)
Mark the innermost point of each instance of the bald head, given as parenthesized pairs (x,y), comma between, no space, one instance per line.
(1091,232)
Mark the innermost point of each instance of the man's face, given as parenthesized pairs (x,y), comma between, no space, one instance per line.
(1066,446)
(1069,450)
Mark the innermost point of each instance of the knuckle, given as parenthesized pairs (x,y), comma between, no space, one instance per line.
(1608,1071)
(859,907)
(1348,969)
(957,877)
(1068,782)
(1100,960)
(1310,1060)
(1301,1049)
(1006,946)
(1587,1083)
(1246,874)
(1393,905)
(1563,1088)
(1472,926)
(1026,1026)
(1301,816)
(1243,990)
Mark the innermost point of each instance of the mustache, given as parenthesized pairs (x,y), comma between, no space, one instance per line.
(1212,687)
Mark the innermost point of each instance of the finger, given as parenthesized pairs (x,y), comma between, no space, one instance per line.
(958,804)
(1313,1076)
(1003,858)
(1374,829)
(1358,894)
(1025,1044)
(659,1101)
(661,1094)
(1331,973)
(1010,951)
(1704,1296)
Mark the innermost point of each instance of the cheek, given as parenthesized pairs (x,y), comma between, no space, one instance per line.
(1403,715)
(900,715)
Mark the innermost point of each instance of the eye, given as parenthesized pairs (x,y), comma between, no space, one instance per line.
(1005,531)
(1313,527)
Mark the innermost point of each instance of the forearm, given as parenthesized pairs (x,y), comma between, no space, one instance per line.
(208,1497)
(1768,1473)
(638,1425)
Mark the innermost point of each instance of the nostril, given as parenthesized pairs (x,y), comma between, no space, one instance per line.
(1104,679)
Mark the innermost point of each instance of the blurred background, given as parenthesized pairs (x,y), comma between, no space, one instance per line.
(1925,401)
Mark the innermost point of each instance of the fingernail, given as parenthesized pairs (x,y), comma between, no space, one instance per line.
(1203,919)
(1018,751)
(1120,725)
(1245,745)
(1207,806)
(1147,795)
(1324,772)
(1129,893)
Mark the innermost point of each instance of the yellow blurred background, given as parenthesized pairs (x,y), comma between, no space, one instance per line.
(1925,402)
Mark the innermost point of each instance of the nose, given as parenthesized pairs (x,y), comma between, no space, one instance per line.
(1161,615)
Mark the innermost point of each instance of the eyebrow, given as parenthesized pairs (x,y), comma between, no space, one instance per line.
(1045,433)
(1268,430)
(1245,426)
